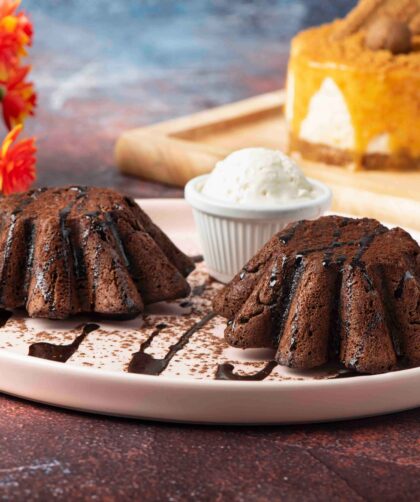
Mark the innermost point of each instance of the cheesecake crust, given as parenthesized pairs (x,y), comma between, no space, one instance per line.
(317,152)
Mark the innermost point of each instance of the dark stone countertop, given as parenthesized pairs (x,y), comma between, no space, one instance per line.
(49,453)
(104,66)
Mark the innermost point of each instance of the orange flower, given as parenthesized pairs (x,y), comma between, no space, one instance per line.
(17,96)
(15,35)
(17,163)
(8,7)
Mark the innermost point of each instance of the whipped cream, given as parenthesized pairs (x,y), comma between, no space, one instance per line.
(258,176)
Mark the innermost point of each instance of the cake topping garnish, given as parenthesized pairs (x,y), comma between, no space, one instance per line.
(388,34)
(367,12)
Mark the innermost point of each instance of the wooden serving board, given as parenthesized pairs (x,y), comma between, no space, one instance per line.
(177,150)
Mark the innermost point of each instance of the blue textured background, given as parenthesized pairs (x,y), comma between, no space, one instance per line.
(102,66)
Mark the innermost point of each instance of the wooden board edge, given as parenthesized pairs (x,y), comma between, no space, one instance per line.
(383,207)
(164,159)
(231,112)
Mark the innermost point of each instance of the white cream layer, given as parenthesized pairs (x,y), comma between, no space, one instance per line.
(328,120)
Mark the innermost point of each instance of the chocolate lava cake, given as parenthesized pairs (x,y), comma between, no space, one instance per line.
(65,251)
(333,289)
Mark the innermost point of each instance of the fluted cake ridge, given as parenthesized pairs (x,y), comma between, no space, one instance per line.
(65,251)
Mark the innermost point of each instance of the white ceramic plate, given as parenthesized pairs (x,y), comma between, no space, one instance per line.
(95,377)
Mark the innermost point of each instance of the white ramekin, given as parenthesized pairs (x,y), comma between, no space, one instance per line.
(231,234)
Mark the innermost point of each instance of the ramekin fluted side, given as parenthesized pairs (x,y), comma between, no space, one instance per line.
(229,243)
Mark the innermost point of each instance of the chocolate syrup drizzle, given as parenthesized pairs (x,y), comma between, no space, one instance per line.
(109,219)
(66,236)
(60,353)
(356,263)
(286,237)
(400,288)
(145,364)
(108,233)
(30,234)
(10,236)
(281,306)
(225,371)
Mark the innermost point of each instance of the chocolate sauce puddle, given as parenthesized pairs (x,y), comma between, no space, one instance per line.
(145,364)
(60,353)
(225,371)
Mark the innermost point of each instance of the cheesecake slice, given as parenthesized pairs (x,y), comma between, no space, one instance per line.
(354,102)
